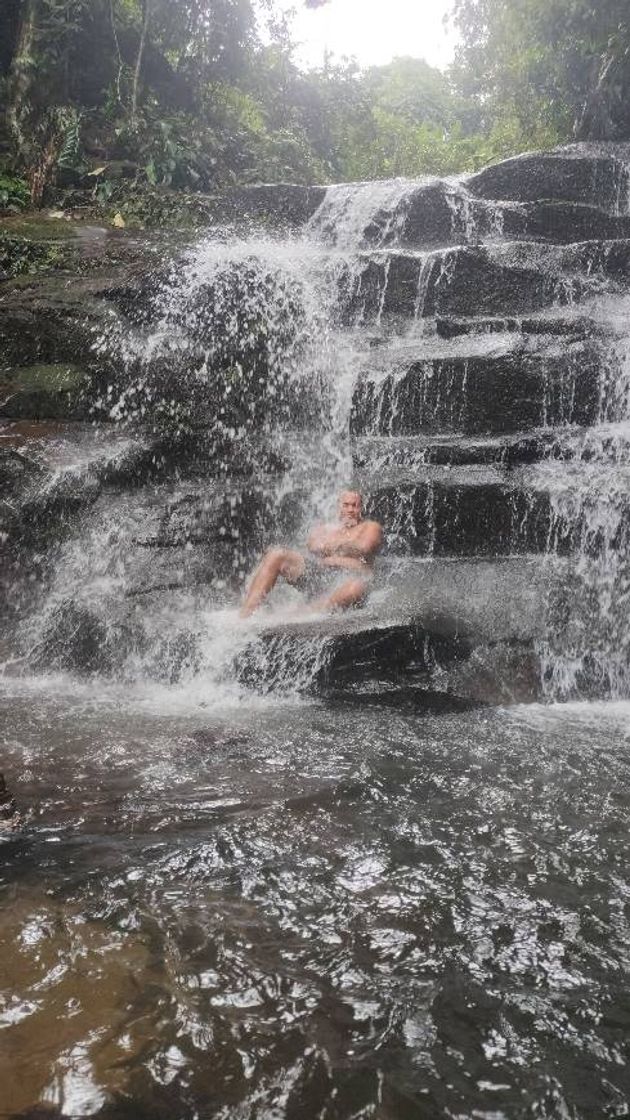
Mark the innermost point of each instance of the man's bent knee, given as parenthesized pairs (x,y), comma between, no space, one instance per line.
(274,555)
(283,561)
(357,589)
(350,594)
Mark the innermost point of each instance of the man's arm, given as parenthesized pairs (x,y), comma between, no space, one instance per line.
(334,548)
(320,541)
(369,541)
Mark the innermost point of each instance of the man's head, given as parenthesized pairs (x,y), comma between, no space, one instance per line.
(350,508)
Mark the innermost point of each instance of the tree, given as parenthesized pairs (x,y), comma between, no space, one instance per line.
(542,63)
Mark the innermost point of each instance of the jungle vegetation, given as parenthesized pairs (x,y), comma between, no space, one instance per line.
(201,94)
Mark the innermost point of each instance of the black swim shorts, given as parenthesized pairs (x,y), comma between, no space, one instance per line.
(316,579)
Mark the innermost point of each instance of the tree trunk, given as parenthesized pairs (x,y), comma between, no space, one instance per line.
(21,75)
(597,118)
(138,67)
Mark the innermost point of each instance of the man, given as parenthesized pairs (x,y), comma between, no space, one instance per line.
(349,545)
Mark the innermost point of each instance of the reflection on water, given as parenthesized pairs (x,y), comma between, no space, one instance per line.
(312,911)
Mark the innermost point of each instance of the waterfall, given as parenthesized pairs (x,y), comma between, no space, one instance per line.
(452,348)
(238,355)
(588,649)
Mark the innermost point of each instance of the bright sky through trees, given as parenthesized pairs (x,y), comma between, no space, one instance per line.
(373,31)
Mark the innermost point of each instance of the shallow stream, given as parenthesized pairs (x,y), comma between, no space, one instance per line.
(305,910)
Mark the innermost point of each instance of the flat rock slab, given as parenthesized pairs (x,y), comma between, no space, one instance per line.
(438,635)
(467,511)
(375,453)
(495,392)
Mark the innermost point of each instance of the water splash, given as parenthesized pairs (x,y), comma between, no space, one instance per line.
(371,214)
(588,648)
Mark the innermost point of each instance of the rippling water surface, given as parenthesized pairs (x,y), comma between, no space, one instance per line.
(314,911)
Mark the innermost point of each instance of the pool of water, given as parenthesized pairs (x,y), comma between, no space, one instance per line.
(306,910)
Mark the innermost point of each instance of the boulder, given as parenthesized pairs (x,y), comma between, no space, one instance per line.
(276,205)
(42,392)
(74,638)
(595,174)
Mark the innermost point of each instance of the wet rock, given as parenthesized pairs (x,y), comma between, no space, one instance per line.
(276,205)
(50,321)
(474,283)
(10,818)
(76,639)
(17,471)
(416,452)
(595,174)
(508,392)
(49,512)
(570,325)
(471,281)
(42,392)
(244,518)
(467,512)
(565,222)
(311,657)
(422,220)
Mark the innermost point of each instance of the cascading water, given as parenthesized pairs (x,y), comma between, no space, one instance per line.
(588,651)
(238,361)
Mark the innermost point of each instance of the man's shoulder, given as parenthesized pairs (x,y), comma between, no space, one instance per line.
(367,524)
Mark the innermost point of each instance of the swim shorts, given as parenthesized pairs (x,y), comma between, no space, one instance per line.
(316,580)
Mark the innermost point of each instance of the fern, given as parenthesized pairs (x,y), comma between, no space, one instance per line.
(69,127)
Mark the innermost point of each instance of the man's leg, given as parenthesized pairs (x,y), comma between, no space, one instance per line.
(348,594)
(275,563)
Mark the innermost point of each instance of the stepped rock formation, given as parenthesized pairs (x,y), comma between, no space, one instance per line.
(460,349)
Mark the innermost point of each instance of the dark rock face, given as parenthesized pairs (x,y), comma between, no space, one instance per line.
(482,394)
(564,222)
(43,392)
(9,815)
(75,639)
(491,518)
(591,174)
(276,205)
(461,282)
(352,656)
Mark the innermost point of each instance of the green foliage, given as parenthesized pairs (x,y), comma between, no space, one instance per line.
(187,96)
(535,66)
(21,255)
(14,193)
(68,122)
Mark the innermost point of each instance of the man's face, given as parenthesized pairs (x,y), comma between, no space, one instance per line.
(349,508)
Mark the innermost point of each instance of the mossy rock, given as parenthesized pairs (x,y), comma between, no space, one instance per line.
(44,392)
(22,255)
(38,226)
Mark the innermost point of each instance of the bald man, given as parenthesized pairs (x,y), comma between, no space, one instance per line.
(348,545)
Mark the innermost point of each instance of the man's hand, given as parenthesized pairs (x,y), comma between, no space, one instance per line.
(359,543)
